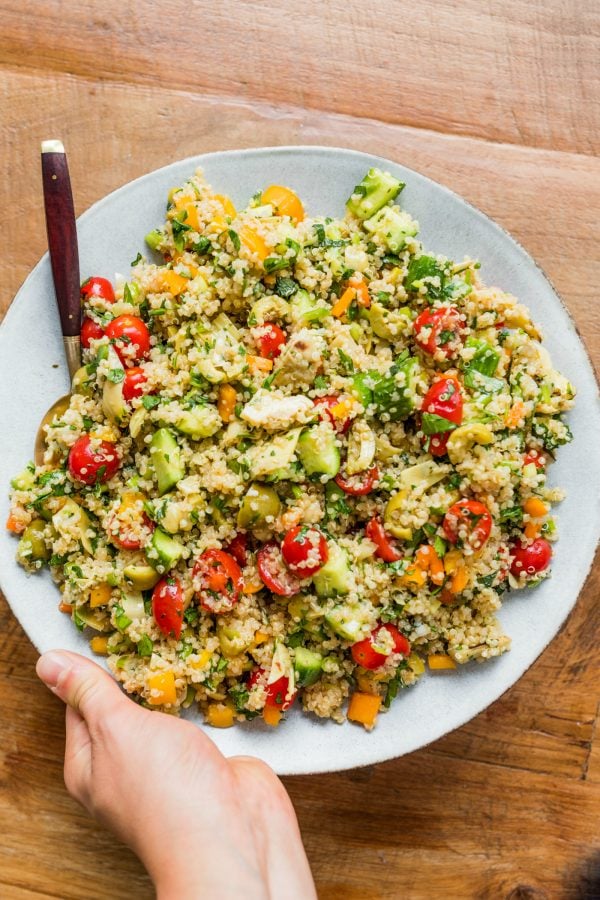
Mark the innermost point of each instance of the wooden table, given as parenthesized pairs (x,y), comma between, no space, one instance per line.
(498,100)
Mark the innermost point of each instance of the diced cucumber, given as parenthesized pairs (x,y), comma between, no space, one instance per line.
(200,422)
(166,460)
(307,665)
(393,393)
(25,480)
(393,227)
(305,309)
(375,190)
(318,451)
(351,621)
(154,239)
(335,577)
(163,551)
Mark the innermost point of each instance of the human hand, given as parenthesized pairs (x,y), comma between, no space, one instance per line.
(203,825)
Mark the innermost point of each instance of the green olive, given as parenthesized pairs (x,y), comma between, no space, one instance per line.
(232,640)
(82,382)
(32,545)
(394,506)
(259,504)
(141,577)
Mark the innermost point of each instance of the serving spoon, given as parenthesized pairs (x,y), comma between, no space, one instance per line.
(64,258)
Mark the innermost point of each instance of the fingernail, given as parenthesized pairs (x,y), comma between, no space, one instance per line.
(50,666)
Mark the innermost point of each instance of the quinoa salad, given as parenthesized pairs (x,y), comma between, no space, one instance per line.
(301,463)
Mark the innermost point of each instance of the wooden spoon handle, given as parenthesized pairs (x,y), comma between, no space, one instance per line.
(62,236)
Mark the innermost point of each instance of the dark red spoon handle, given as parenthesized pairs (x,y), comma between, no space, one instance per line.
(62,236)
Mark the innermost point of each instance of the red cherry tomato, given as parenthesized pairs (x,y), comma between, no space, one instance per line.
(238,549)
(468,522)
(168,606)
(536,458)
(131,338)
(439,329)
(358,485)
(444,399)
(90,331)
(325,405)
(96,286)
(134,383)
(365,653)
(274,572)
(93,461)
(217,580)
(531,559)
(270,339)
(304,550)
(385,548)
(276,693)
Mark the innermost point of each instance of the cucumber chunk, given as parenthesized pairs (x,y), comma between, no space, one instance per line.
(307,665)
(166,459)
(335,577)
(375,190)
(163,551)
(318,451)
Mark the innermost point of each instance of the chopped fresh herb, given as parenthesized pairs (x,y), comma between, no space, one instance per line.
(116,375)
(346,361)
(150,401)
(512,514)
(137,260)
(285,287)
(202,246)
(191,615)
(145,646)
(235,239)
(275,263)
(320,383)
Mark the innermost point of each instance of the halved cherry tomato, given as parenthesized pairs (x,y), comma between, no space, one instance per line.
(238,549)
(443,399)
(534,457)
(134,383)
(304,550)
(366,654)
(96,286)
(325,405)
(531,559)
(217,580)
(439,329)
(468,522)
(131,338)
(358,485)
(385,548)
(276,693)
(168,606)
(90,331)
(270,339)
(93,461)
(274,572)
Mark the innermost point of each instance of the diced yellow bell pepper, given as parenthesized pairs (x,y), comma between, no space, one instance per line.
(162,685)
(416,664)
(259,364)
(284,202)
(220,715)
(228,207)
(460,580)
(452,561)
(260,637)
(414,576)
(440,661)
(100,595)
(169,281)
(99,645)
(203,660)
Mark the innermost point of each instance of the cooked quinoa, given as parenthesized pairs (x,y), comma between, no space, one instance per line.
(303,458)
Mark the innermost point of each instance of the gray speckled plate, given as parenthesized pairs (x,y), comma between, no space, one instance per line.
(33,374)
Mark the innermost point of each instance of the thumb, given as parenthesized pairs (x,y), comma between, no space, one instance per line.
(80,683)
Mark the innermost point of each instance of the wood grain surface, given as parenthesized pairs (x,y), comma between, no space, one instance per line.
(500,102)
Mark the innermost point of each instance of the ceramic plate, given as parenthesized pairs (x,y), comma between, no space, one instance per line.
(33,374)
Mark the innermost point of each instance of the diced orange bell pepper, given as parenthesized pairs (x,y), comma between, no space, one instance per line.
(228,207)
(100,595)
(515,414)
(428,560)
(259,364)
(271,716)
(191,210)
(253,242)
(163,683)
(440,661)
(260,637)
(414,576)
(65,607)
(342,409)
(452,561)
(99,644)
(252,587)
(284,202)
(535,507)
(226,400)
(340,307)
(362,290)
(531,530)
(460,580)
(363,708)
(15,525)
